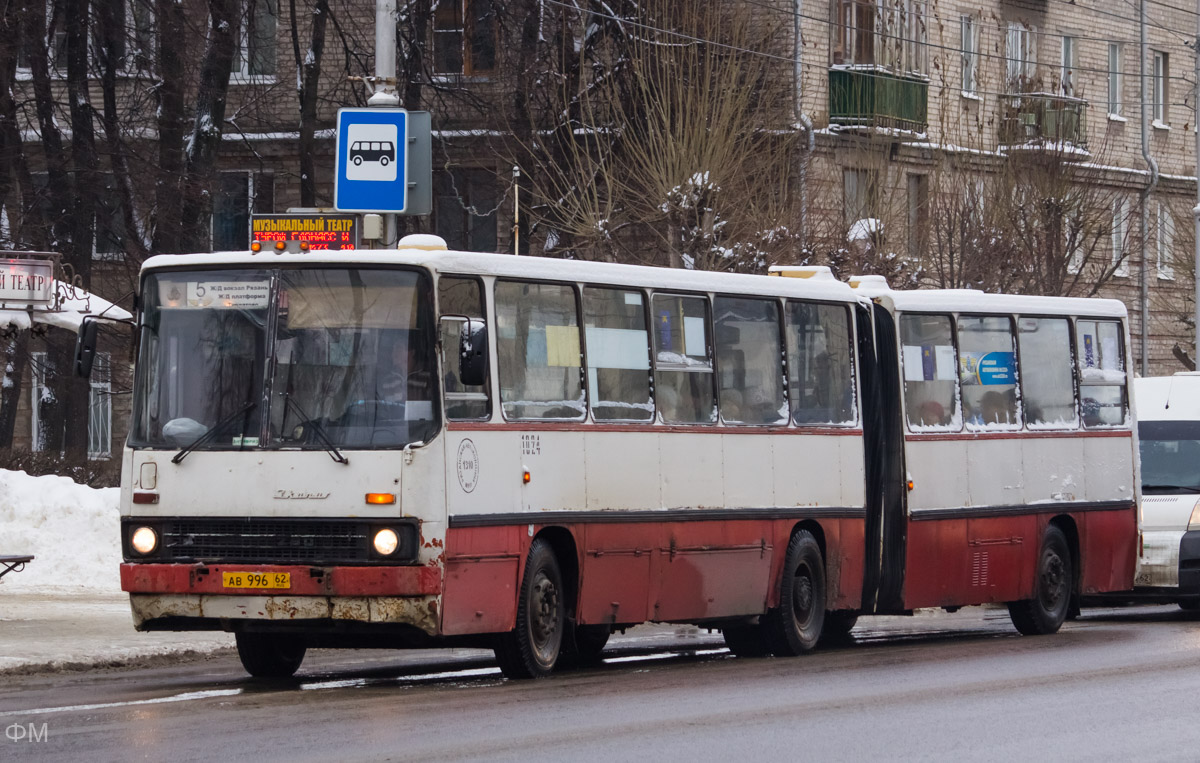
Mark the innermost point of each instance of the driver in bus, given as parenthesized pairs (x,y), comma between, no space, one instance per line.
(405,378)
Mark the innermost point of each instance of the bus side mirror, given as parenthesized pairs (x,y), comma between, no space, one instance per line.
(473,353)
(85,347)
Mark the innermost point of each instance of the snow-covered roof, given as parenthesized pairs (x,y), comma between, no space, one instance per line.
(973,301)
(510,266)
(74,305)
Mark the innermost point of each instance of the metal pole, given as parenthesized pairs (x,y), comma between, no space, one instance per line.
(385,95)
(1196,209)
(517,208)
(1144,285)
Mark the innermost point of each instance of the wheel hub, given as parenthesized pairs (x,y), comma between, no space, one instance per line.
(545,610)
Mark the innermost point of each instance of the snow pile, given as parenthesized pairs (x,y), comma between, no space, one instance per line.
(72,530)
(864,230)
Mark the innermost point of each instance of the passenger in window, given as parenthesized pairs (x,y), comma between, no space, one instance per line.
(994,408)
(931,413)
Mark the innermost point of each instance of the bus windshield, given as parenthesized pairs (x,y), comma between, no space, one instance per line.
(289,358)
(1170,456)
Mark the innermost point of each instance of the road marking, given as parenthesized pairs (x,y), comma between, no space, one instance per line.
(665,656)
(104,705)
(352,682)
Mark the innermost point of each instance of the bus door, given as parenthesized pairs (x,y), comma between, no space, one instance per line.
(883,441)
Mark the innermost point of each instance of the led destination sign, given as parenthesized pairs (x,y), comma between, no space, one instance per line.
(318,231)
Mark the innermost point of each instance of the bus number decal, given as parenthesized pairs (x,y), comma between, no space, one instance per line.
(468,466)
(531,445)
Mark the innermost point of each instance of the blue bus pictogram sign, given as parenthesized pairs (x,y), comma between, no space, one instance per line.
(371,161)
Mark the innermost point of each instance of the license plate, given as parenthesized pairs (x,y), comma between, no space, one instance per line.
(256,579)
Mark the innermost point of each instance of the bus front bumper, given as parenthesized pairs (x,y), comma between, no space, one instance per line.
(194,596)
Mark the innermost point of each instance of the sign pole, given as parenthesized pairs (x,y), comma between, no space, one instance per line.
(517,208)
(385,95)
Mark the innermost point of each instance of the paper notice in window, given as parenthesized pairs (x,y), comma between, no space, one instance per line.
(562,346)
(693,337)
(944,356)
(913,363)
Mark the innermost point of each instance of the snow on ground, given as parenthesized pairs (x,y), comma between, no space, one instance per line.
(72,530)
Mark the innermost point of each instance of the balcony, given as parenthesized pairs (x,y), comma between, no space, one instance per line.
(1044,122)
(872,97)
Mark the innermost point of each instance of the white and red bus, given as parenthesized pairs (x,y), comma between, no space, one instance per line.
(417,447)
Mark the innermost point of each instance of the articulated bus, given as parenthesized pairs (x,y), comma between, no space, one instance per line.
(420,447)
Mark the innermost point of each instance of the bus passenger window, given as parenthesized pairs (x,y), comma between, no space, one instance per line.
(1047,381)
(537,342)
(460,297)
(930,373)
(988,372)
(618,355)
(820,374)
(683,360)
(749,368)
(1101,372)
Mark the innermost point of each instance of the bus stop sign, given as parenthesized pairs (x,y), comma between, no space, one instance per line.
(372,161)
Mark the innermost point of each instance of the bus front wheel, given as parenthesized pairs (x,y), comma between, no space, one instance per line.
(265,655)
(531,649)
(1046,611)
(795,627)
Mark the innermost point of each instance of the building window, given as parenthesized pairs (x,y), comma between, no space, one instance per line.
(1161,73)
(1070,60)
(1019,57)
(255,52)
(892,35)
(859,194)
(237,195)
(465,205)
(1114,79)
(918,214)
(1165,235)
(464,37)
(1120,219)
(970,54)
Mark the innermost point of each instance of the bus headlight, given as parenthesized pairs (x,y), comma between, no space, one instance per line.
(386,542)
(144,540)
(1194,520)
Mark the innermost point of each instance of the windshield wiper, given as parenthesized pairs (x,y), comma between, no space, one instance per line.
(211,432)
(1173,488)
(317,429)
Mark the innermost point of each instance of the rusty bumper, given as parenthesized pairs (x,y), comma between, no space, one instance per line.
(191,592)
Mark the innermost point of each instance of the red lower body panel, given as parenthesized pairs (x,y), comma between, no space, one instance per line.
(637,571)
(959,562)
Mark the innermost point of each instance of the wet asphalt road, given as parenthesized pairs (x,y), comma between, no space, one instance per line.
(1113,685)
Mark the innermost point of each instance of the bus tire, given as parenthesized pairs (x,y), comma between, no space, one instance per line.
(746,640)
(585,647)
(837,627)
(531,648)
(795,627)
(1047,610)
(266,655)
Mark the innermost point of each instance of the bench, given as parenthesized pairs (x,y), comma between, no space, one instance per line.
(13,564)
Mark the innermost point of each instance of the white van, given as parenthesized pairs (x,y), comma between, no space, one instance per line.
(1168,411)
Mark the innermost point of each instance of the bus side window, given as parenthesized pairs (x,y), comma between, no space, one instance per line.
(988,372)
(1102,399)
(820,374)
(1047,380)
(683,371)
(749,368)
(457,297)
(618,355)
(930,373)
(537,343)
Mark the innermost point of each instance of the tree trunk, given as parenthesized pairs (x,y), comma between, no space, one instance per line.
(308,75)
(172,26)
(205,143)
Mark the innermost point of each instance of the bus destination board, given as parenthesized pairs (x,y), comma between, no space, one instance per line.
(319,231)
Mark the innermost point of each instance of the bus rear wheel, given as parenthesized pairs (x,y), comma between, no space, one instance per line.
(531,648)
(266,655)
(795,627)
(1047,610)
